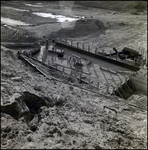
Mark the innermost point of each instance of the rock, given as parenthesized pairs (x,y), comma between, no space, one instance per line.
(34,101)
(52,129)
(3,128)
(7,129)
(16,79)
(57,146)
(3,89)
(98,146)
(30,146)
(4,135)
(33,127)
(7,74)
(71,88)
(29,138)
(13,109)
(16,96)
(37,88)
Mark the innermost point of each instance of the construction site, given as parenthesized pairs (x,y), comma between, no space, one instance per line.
(73,75)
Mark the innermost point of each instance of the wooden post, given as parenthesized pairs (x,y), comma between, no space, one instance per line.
(126,59)
(102,51)
(46,45)
(119,78)
(96,50)
(105,77)
(107,89)
(48,62)
(83,46)
(77,44)
(113,90)
(88,48)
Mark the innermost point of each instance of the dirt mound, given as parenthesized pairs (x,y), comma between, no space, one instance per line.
(116,5)
(83,28)
(11,34)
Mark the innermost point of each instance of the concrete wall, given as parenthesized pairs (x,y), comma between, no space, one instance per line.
(140,84)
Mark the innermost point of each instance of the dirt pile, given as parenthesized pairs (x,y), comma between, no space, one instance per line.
(83,27)
(116,5)
(12,34)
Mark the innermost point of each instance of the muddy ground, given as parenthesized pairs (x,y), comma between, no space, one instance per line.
(46,114)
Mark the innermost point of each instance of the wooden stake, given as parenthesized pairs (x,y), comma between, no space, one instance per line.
(77,44)
(88,48)
(96,50)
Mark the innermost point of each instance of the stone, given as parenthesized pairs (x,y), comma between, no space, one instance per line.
(13,109)
(7,129)
(52,129)
(16,79)
(37,88)
(29,138)
(57,146)
(30,145)
(33,127)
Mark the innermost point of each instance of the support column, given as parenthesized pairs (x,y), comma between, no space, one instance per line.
(46,45)
(105,77)
(77,44)
(126,59)
(48,62)
(83,46)
(96,50)
(88,48)
(107,89)
(102,51)
(71,42)
(89,81)
(113,90)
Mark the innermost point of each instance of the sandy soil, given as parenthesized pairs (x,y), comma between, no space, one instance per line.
(46,114)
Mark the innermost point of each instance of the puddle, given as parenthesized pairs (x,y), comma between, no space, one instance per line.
(39,5)
(13,22)
(60,18)
(17,9)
